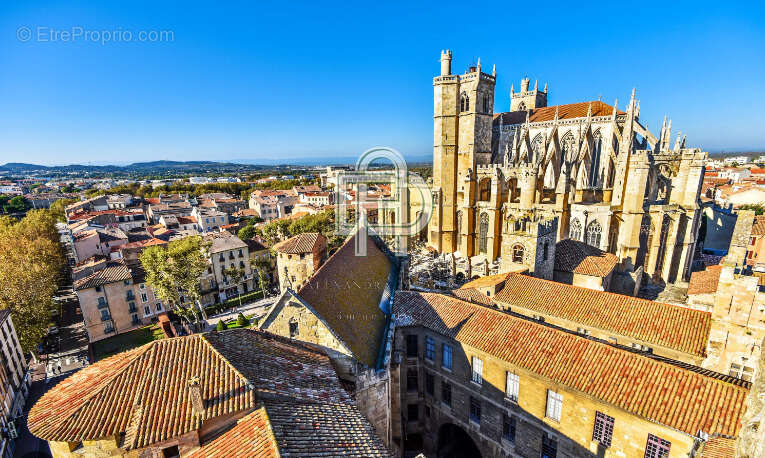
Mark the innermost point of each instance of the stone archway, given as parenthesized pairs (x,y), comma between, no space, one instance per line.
(454,442)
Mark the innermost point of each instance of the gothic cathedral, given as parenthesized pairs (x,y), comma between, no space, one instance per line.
(507,186)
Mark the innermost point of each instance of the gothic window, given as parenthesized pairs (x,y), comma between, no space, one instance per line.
(484,189)
(483,233)
(464,102)
(545,249)
(458,226)
(536,146)
(518,253)
(597,146)
(522,106)
(568,146)
(575,233)
(486,104)
(593,234)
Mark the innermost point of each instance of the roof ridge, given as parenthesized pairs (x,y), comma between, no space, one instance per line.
(660,359)
(607,293)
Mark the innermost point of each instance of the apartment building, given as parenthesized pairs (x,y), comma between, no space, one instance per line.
(14,384)
(227,251)
(208,219)
(114,298)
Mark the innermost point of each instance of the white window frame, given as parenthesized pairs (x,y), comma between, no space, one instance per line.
(554,405)
(512,386)
(477,376)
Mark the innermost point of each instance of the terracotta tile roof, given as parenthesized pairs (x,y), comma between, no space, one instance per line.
(758,228)
(143,395)
(489,280)
(301,243)
(649,387)
(255,245)
(705,281)
(112,273)
(671,326)
(581,258)
(719,447)
(472,295)
(361,282)
(568,111)
(251,437)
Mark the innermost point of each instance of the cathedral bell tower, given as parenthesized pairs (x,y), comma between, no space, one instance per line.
(528,100)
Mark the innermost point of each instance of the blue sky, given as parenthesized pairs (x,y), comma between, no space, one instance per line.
(285,80)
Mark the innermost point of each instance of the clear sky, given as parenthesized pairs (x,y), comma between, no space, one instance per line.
(273,80)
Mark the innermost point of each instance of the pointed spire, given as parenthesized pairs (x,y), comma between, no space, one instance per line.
(511,90)
(555,119)
(637,110)
(478,67)
(536,85)
(494,70)
(545,88)
(528,112)
(589,110)
(615,110)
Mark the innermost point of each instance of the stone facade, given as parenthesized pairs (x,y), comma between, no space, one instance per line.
(572,435)
(608,180)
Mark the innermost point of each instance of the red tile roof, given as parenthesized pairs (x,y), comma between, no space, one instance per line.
(143,395)
(671,326)
(705,281)
(489,280)
(758,227)
(581,258)
(472,295)
(301,243)
(646,386)
(251,437)
(719,447)
(568,111)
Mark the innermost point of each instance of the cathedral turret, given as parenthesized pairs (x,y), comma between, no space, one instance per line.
(527,99)
(446,62)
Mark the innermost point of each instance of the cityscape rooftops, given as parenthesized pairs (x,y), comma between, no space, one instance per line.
(301,243)
(581,258)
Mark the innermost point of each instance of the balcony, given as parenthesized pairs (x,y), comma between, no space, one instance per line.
(106,317)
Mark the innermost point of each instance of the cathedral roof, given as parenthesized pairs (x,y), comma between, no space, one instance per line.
(568,111)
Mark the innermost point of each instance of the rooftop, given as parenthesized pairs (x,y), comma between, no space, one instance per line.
(581,258)
(301,243)
(142,395)
(360,281)
(224,241)
(684,399)
(705,281)
(679,328)
(568,111)
(112,273)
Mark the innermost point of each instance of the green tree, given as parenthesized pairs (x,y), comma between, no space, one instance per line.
(247,232)
(31,260)
(18,204)
(176,270)
(242,321)
(261,268)
(235,275)
(221,326)
(58,207)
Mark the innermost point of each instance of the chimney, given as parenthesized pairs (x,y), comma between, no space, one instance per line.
(195,394)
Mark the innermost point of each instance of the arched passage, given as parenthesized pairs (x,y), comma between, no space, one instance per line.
(454,442)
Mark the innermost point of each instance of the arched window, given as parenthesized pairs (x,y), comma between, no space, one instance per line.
(545,250)
(518,253)
(536,147)
(593,234)
(597,146)
(483,233)
(464,102)
(486,107)
(522,106)
(575,232)
(458,226)
(567,146)
(484,189)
